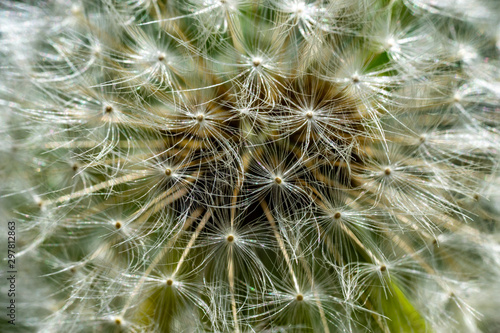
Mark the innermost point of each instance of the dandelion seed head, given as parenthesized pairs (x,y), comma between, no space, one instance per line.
(252,166)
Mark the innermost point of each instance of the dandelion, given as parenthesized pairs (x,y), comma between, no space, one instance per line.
(252,166)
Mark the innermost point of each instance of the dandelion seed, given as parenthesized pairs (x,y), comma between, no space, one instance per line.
(257,62)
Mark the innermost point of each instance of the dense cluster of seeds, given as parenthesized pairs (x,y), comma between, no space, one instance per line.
(253,165)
